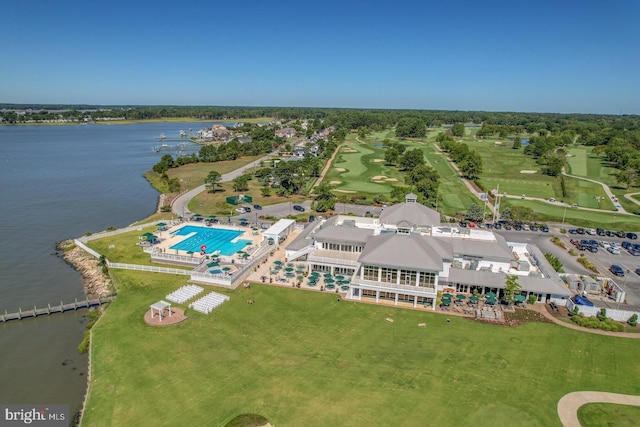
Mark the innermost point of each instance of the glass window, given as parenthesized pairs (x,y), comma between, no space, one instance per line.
(408,277)
(389,275)
(370,272)
(427,279)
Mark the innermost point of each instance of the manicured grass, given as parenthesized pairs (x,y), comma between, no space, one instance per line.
(577,217)
(608,414)
(301,358)
(124,248)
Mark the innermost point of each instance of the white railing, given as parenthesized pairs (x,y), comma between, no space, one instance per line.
(327,260)
(381,285)
(183,259)
(150,268)
(138,227)
(86,248)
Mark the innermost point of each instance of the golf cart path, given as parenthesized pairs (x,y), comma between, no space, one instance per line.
(542,309)
(569,404)
(605,187)
(629,196)
(179,205)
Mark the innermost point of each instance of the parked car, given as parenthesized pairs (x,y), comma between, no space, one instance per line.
(580,230)
(600,232)
(638,271)
(591,231)
(533,227)
(298,208)
(583,301)
(544,228)
(573,231)
(574,242)
(257,207)
(617,270)
(614,250)
(632,236)
(240,210)
(621,234)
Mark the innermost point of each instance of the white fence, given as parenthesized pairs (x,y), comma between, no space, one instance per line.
(102,234)
(87,249)
(612,313)
(150,268)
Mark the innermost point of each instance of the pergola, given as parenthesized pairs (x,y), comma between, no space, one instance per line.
(160,306)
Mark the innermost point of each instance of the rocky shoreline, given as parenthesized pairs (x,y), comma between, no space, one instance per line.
(96,282)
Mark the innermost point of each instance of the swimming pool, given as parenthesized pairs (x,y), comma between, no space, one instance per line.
(214,239)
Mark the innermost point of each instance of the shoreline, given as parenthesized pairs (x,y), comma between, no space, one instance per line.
(96,282)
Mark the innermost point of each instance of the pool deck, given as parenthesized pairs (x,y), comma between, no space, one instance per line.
(168,237)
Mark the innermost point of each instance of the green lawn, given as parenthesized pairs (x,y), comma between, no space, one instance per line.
(301,358)
(608,414)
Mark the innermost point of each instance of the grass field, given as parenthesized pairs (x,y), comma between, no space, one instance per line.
(301,358)
(607,414)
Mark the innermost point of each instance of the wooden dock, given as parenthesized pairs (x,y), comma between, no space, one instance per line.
(49,309)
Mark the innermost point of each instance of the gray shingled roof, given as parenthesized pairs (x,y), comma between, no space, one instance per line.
(343,234)
(483,248)
(497,280)
(402,251)
(415,213)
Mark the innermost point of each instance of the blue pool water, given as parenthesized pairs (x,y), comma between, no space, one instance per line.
(215,270)
(215,239)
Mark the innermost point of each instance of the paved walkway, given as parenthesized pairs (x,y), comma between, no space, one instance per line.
(569,404)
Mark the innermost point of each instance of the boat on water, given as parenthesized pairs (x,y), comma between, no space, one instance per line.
(161,136)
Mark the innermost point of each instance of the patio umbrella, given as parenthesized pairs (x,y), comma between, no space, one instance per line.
(328,280)
(343,282)
(340,277)
(212,217)
(474,298)
(254,229)
(330,286)
(277,262)
(290,274)
(461,297)
(288,269)
(197,214)
(327,275)
(152,237)
(491,300)
(490,294)
(344,287)
(242,219)
(312,284)
(314,273)
(161,224)
(274,271)
(446,295)
(226,268)
(190,252)
(213,264)
(520,298)
(446,301)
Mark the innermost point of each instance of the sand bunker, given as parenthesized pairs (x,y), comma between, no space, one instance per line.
(379,182)
(335,182)
(528,171)
(390,179)
(349,150)
(340,169)
(377,160)
(379,177)
(345,191)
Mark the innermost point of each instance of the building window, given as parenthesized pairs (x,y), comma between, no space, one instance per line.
(427,279)
(388,296)
(405,298)
(389,275)
(368,293)
(408,277)
(370,272)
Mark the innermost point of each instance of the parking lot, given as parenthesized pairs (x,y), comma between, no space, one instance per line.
(602,260)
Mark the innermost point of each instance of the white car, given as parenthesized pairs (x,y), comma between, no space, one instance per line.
(240,210)
(591,231)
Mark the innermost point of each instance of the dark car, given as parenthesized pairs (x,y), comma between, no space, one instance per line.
(573,231)
(257,207)
(463,224)
(580,230)
(298,208)
(617,270)
(507,227)
(544,228)
(600,232)
(247,208)
(638,271)
(497,226)
(582,301)
(533,227)
(621,234)
(632,236)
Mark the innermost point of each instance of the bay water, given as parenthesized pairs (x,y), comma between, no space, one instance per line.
(57,183)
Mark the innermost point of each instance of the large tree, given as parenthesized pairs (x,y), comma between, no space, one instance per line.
(475,212)
(511,288)
(411,159)
(471,165)
(212,181)
(324,198)
(458,130)
(411,127)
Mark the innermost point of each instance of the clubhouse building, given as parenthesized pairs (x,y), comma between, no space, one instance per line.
(406,257)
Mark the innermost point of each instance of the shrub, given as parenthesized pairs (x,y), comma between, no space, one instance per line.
(633,320)
(532,299)
(602,315)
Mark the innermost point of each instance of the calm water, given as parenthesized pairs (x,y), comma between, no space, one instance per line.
(60,182)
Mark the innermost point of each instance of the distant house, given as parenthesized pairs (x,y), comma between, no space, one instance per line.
(286,133)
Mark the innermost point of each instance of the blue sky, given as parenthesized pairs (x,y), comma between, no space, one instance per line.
(545,56)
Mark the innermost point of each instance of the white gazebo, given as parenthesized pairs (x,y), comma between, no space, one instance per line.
(160,307)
